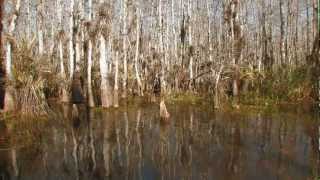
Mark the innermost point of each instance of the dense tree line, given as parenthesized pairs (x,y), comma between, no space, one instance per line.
(129,47)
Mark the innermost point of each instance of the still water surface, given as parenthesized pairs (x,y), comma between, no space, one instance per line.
(131,143)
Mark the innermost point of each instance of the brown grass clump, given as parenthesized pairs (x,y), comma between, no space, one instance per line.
(29,81)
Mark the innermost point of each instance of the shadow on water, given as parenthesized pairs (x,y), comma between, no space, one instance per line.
(132,143)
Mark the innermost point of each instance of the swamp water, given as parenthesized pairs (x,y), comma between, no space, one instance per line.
(132,143)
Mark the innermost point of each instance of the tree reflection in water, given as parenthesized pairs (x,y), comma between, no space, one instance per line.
(132,143)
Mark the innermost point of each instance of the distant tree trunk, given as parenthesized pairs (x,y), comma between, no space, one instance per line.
(78,51)
(89,56)
(116,82)
(8,99)
(40,27)
(105,86)
(125,49)
(28,20)
(209,31)
(264,37)
(315,18)
(174,30)
(296,33)
(282,34)
(232,17)
(216,89)
(89,78)
(308,26)
(182,33)
(190,50)
(270,33)
(136,66)
(64,94)
(71,33)
(166,46)
(78,34)
(161,49)
(288,34)
(52,38)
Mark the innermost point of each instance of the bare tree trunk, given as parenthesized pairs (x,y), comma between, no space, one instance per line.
(163,83)
(79,34)
(270,32)
(105,86)
(29,20)
(89,56)
(52,39)
(89,78)
(40,27)
(216,91)
(174,31)
(116,82)
(288,35)
(125,49)
(167,48)
(315,18)
(282,34)
(308,27)
(71,32)
(136,66)
(64,94)
(236,48)
(9,104)
(209,31)
(190,43)
(296,33)
(78,51)
(264,48)
(106,95)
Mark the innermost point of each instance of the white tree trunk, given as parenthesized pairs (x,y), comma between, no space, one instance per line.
(174,30)
(136,66)
(52,41)
(125,50)
(90,94)
(163,83)
(89,67)
(116,82)
(40,39)
(190,42)
(216,92)
(8,99)
(167,46)
(78,52)
(71,50)
(64,93)
(105,86)
(40,28)
(79,36)
(209,31)
(9,62)
(29,20)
